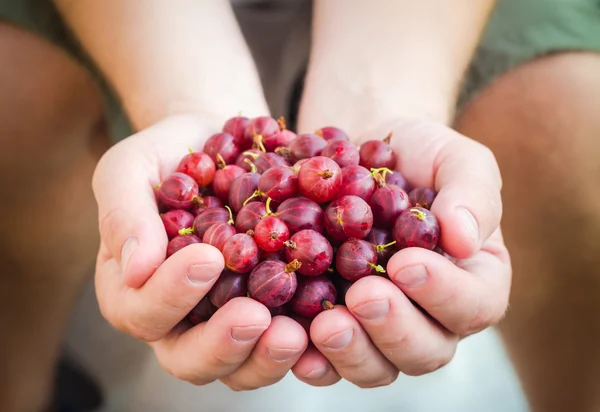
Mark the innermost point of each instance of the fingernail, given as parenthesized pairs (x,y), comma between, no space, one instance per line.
(339,340)
(246,333)
(202,274)
(126,251)
(411,276)
(373,310)
(281,355)
(469,223)
(317,373)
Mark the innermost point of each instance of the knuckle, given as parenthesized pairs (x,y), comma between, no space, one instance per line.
(385,380)
(140,330)
(224,361)
(482,318)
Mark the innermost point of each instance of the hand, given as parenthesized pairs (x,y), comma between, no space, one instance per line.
(146,296)
(381,332)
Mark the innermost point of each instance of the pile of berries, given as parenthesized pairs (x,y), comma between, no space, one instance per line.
(298,218)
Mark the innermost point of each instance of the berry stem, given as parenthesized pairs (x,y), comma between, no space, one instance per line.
(281,123)
(186,231)
(252,165)
(230,221)
(258,143)
(255,194)
(325,174)
(250,232)
(157,186)
(327,305)
(252,155)
(388,138)
(293,266)
(418,214)
(190,150)
(290,244)
(268,208)
(378,268)
(198,201)
(319,132)
(221,164)
(283,152)
(381,248)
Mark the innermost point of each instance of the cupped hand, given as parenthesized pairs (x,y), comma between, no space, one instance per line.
(412,322)
(145,295)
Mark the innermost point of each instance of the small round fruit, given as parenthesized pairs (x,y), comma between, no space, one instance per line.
(179,242)
(178,191)
(422,197)
(249,216)
(263,131)
(342,152)
(199,166)
(236,127)
(205,202)
(377,153)
(387,203)
(208,218)
(299,164)
(278,183)
(271,233)
(218,234)
(356,259)
(416,227)
(229,285)
(202,312)
(357,181)
(273,283)
(300,213)
(398,179)
(332,133)
(313,296)
(320,179)
(240,253)
(224,179)
(312,249)
(348,217)
(268,160)
(242,189)
(176,220)
(384,244)
(223,144)
(304,146)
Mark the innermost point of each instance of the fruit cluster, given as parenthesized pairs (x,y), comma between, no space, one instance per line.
(298,218)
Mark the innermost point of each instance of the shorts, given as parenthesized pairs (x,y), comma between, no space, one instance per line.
(518,31)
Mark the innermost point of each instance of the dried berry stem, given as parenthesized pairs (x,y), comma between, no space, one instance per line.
(388,138)
(283,152)
(221,164)
(327,305)
(230,221)
(290,244)
(325,174)
(319,132)
(250,232)
(281,123)
(293,266)
(198,201)
(258,143)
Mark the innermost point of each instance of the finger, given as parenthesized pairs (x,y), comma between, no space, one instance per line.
(314,368)
(338,336)
(406,337)
(150,312)
(276,352)
(216,348)
(464,173)
(129,222)
(467,297)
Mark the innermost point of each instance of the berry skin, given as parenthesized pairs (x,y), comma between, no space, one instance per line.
(278,183)
(249,215)
(246,159)
(416,227)
(209,217)
(342,152)
(320,179)
(348,217)
(387,203)
(313,296)
(176,220)
(332,133)
(240,253)
(312,249)
(222,144)
(376,154)
(422,197)
(178,191)
(304,146)
(263,131)
(300,213)
(179,242)
(268,160)
(199,166)
(242,189)
(218,234)
(224,178)
(398,179)
(271,233)
(205,202)
(384,244)
(357,181)
(202,312)
(356,259)
(229,285)
(236,127)
(273,283)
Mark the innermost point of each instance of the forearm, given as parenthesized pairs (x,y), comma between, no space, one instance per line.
(391,58)
(169,57)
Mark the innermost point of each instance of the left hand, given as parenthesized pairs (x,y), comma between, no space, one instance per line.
(381,332)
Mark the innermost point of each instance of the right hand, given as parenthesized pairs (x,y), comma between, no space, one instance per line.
(145,295)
